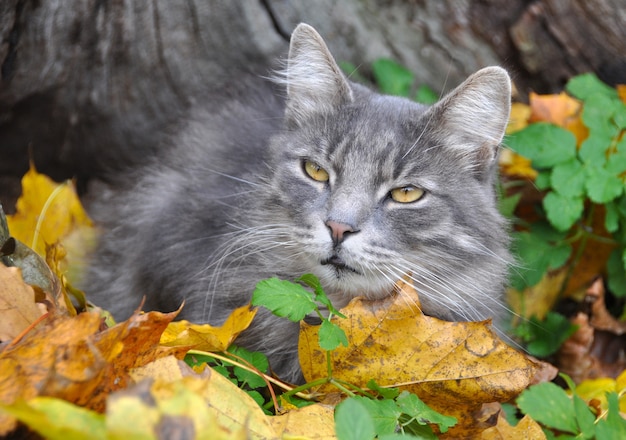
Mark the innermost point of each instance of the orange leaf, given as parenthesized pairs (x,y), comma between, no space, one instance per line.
(562,110)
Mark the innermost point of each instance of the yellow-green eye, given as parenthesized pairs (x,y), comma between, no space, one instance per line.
(315,172)
(407,194)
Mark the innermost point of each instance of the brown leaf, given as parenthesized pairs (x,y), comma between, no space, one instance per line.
(18,308)
(597,349)
(71,358)
(526,429)
(453,366)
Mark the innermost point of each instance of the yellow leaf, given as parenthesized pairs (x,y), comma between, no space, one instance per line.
(518,118)
(597,389)
(206,337)
(526,429)
(216,398)
(47,213)
(453,366)
(313,421)
(512,164)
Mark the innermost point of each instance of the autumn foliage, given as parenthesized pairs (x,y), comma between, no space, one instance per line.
(67,370)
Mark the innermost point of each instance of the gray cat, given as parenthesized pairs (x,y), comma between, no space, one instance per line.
(311,173)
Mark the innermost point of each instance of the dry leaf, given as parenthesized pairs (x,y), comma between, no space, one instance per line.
(206,337)
(71,358)
(526,429)
(598,348)
(453,366)
(18,308)
(311,422)
(562,110)
(233,410)
(48,212)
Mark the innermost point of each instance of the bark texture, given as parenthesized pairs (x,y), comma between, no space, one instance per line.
(92,85)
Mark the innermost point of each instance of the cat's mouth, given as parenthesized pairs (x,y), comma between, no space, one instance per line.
(337,262)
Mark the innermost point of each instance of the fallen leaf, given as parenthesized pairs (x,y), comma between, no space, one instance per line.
(311,422)
(453,366)
(206,337)
(231,407)
(48,212)
(54,418)
(526,429)
(596,389)
(71,358)
(562,110)
(598,348)
(18,308)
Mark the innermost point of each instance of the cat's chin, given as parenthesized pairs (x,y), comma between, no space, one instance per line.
(344,284)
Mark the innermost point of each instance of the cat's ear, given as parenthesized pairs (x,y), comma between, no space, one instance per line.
(315,83)
(472,118)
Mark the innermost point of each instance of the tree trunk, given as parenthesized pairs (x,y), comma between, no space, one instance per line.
(90,85)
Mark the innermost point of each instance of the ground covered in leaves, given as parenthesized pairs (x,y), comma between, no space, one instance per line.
(374,368)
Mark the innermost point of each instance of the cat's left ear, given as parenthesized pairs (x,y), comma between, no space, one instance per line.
(471,119)
(315,83)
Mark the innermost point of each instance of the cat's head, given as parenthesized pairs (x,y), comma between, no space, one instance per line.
(376,187)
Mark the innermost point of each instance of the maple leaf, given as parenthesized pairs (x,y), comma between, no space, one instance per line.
(453,366)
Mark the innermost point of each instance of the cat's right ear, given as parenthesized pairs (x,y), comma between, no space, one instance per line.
(315,83)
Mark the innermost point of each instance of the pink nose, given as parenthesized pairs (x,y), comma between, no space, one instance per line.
(338,231)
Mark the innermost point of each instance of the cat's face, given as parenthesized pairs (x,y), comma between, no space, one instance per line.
(375,188)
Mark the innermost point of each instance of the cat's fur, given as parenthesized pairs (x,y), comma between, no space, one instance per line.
(231,204)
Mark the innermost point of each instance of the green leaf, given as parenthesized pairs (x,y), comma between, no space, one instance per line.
(550,405)
(544,144)
(284,298)
(584,417)
(384,414)
(562,212)
(593,150)
(616,273)
(614,426)
(426,95)
(392,78)
(259,360)
(413,406)
(313,282)
(603,186)
(353,421)
(598,113)
(546,337)
(331,336)
(568,178)
(537,255)
(542,181)
(387,393)
(611,217)
(587,85)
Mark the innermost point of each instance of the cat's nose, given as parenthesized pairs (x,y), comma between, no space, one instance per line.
(339,231)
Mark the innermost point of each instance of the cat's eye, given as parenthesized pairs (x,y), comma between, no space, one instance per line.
(407,194)
(315,172)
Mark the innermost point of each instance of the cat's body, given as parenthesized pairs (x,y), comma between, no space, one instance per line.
(314,174)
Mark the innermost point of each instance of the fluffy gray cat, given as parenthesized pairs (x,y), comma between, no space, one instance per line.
(311,173)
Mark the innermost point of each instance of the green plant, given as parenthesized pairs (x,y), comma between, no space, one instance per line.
(580,183)
(553,408)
